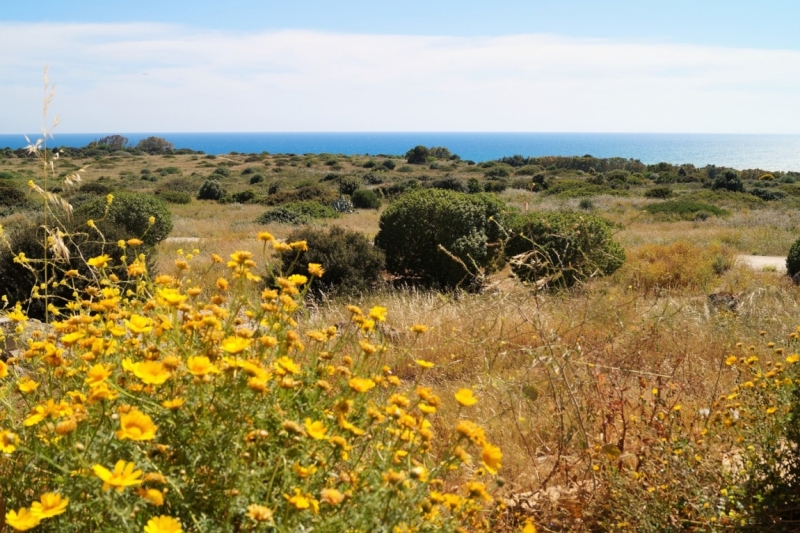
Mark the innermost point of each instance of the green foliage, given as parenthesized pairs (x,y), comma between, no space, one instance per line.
(12,197)
(166,171)
(442,237)
(768,195)
(388,164)
(418,155)
(155,145)
(349,184)
(174,197)
(474,186)
(352,264)
(658,192)
(449,184)
(222,172)
(210,190)
(298,213)
(130,212)
(684,210)
(96,187)
(366,199)
(729,181)
(497,172)
(557,249)
(793,259)
(323,195)
(579,189)
(256,178)
(241,197)
(529,170)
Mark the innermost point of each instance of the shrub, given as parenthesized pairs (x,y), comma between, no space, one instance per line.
(388,164)
(449,184)
(321,194)
(578,189)
(96,187)
(653,268)
(474,186)
(155,145)
(210,190)
(312,209)
(793,259)
(222,172)
(417,155)
(768,195)
(168,170)
(497,172)
(174,197)
(729,181)
(658,192)
(352,264)
(529,170)
(366,199)
(495,186)
(406,169)
(298,213)
(374,178)
(586,204)
(442,237)
(684,209)
(256,178)
(130,212)
(241,197)
(349,184)
(282,215)
(557,249)
(11,196)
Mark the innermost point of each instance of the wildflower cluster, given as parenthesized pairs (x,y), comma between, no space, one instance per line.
(178,403)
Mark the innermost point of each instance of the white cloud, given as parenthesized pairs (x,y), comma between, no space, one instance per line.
(154,77)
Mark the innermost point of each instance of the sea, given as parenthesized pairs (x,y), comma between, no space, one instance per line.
(741,151)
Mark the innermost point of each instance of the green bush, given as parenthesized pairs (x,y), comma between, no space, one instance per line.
(168,170)
(793,259)
(11,196)
(96,188)
(449,184)
(297,213)
(442,237)
(684,209)
(349,184)
(210,190)
(321,194)
(174,197)
(388,164)
(579,189)
(256,178)
(130,212)
(352,264)
(222,172)
(768,195)
(728,180)
(366,199)
(557,249)
(658,192)
(529,170)
(241,197)
(418,155)
(17,282)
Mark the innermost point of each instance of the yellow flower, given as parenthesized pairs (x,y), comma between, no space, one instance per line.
(304,471)
(174,403)
(154,496)
(771,410)
(491,457)
(265,236)
(151,372)
(123,475)
(134,242)
(101,261)
(368,348)
(472,431)
(528,528)
(8,441)
(316,270)
(792,359)
(27,385)
(316,429)
(135,425)
(163,524)
(730,360)
(298,279)
(139,324)
(302,501)
(476,489)
(466,397)
(49,505)
(419,328)
(22,520)
(424,364)
(235,344)
(299,245)
(97,374)
(331,496)
(3,369)
(71,338)
(257,512)
(378,313)
(285,365)
(200,366)
(171,297)
(361,384)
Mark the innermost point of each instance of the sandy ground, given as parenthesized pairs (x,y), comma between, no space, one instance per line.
(760,262)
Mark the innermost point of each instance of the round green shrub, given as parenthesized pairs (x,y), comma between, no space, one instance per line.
(442,237)
(558,249)
(352,264)
(365,199)
(174,197)
(793,259)
(210,190)
(256,178)
(223,172)
(130,212)
(658,192)
(281,215)
(728,180)
(349,184)
(683,209)
(312,209)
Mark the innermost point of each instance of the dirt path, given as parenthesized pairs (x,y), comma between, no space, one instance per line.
(760,262)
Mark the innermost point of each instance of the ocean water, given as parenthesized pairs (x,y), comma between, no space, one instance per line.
(769,152)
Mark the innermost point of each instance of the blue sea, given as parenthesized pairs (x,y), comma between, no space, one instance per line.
(769,152)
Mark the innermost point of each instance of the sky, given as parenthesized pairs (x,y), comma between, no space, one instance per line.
(471,65)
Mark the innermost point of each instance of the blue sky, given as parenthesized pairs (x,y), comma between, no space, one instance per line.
(571,65)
